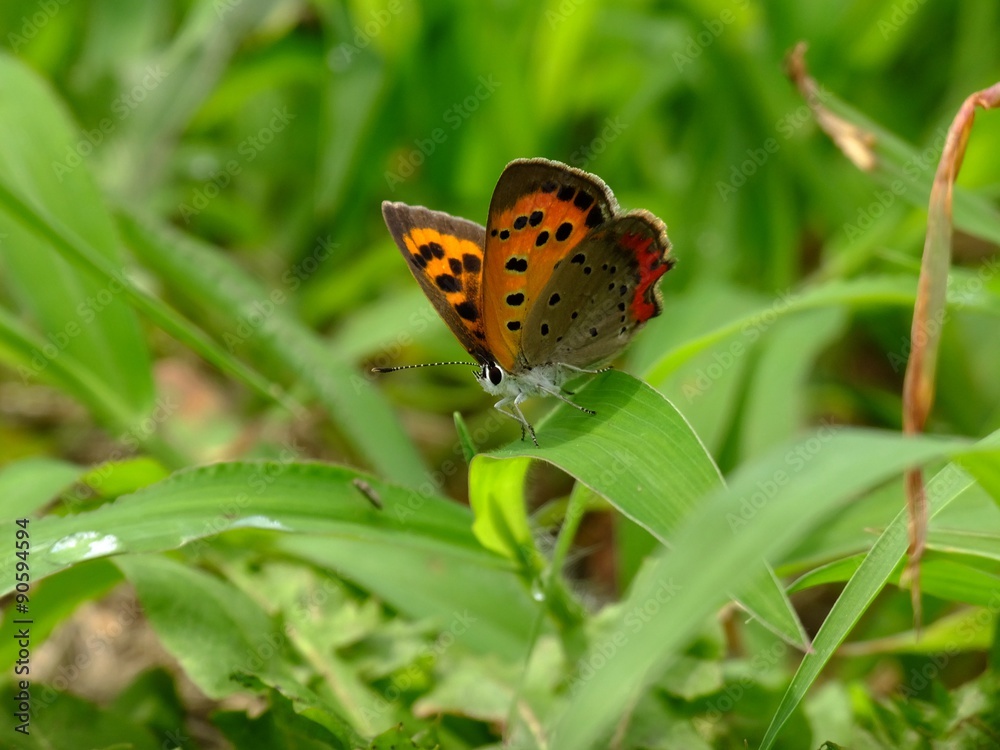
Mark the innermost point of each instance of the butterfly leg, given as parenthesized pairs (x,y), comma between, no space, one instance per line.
(589,372)
(514,412)
(555,392)
(582,370)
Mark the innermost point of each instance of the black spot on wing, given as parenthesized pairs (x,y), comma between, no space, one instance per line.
(518,265)
(448,283)
(467,311)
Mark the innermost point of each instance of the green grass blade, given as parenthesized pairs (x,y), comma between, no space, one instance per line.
(78,313)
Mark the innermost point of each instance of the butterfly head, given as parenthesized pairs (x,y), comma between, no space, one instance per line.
(491,376)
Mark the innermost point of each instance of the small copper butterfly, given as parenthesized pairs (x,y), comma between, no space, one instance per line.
(556,284)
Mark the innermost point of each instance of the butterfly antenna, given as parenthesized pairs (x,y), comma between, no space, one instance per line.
(425,364)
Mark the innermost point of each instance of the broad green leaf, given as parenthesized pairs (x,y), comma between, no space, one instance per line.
(199,503)
(120,477)
(640,453)
(255,317)
(708,387)
(838,467)
(437,563)
(77,313)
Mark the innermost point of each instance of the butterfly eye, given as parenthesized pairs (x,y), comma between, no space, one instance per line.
(493,372)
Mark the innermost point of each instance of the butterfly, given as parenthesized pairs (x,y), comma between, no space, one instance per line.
(556,284)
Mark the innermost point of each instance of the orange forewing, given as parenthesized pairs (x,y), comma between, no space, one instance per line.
(527,234)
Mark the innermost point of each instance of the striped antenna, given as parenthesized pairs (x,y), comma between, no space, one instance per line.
(426,364)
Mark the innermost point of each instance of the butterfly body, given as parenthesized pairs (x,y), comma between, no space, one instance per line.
(555,284)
